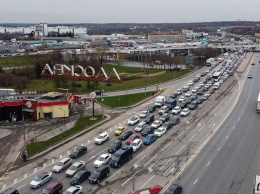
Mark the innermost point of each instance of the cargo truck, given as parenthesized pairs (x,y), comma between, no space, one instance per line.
(160,100)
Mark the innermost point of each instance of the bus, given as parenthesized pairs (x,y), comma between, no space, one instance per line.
(216,76)
(7,92)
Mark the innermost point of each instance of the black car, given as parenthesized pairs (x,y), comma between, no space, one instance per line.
(147,130)
(193,97)
(165,117)
(151,108)
(167,125)
(192,106)
(183,105)
(79,177)
(188,100)
(114,146)
(204,81)
(195,102)
(173,95)
(78,151)
(10,191)
(175,120)
(185,89)
(205,97)
(203,73)
(149,119)
(125,135)
(200,100)
(99,174)
(200,92)
(174,189)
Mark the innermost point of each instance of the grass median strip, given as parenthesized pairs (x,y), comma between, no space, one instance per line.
(81,124)
(125,100)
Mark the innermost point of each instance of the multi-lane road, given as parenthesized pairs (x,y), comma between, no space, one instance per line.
(213,150)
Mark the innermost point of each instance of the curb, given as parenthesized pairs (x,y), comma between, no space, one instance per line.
(58,144)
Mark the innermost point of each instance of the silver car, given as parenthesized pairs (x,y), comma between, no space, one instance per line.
(62,164)
(41,179)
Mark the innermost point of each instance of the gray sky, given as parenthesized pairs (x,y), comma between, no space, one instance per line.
(125,11)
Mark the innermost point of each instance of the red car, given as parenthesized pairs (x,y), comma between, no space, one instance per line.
(132,138)
(54,187)
(211,90)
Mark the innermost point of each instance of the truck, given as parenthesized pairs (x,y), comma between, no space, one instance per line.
(160,100)
(171,103)
(258,104)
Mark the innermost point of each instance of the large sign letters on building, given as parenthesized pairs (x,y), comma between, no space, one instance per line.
(79,73)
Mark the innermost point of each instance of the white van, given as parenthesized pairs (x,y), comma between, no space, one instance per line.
(216,85)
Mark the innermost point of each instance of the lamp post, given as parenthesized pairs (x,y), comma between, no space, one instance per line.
(29,105)
(102,101)
(64,119)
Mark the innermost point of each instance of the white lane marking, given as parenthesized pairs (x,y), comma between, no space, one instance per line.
(147,182)
(195,181)
(130,178)
(187,127)
(210,119)
(180,149)
(140,160)
(166,146)
(91,147)
(234,127)
(188,121)
(192,137)
(15,180)
(226,137)
(4,186)
(238,119)
(22,186)
(202,127)
(150,160)
(208,163)
(25,175)
(35,170)
(179,135)
(220,107)
(218,148)
(165,164)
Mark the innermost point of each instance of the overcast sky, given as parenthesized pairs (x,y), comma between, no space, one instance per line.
(126,11)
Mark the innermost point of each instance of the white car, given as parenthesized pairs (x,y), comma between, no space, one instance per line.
(102,159)
(185,112)
(178,91)
(77,189)
(182,98)
(198,75)
(62,164)
(201,84)
(144,114)
(189,93)
(101,138)
(41,179)
(160,131)
(74,168)
(207,94)
(163,110)
(133,120)
(176,110)
(195,89)
(186,86)
(136,144)
(140,126)
(156,124)
(190,83)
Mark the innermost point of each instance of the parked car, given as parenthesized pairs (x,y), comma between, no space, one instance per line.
(183,104)
(147,130)
(101,138)
(152,108)
(53,187)
(74,168)
(149,139)
(133,120)
(99,174)
(114,146)
(192,106)
(165,117)
(249,75)
(102,159)
(175,120)
(140,126)
(160,131)
(125,135)
(132,138)
(119,130)
(136,144)
(41,179)
(163,110)
(185,112)
(149,119)
(76,189)
(10,191)
(78,151)
(62,165)
(80,177)
(156,124)
(176,110)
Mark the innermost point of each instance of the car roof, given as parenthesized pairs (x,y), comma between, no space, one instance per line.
(136,140)
(78,163)
(72,188)
(103,133)
(52,184)
(103,155)
(141,123)
(65,159)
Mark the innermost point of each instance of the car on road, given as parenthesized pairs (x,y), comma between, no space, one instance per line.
(140,127)
(174,120)
(41,179)
(211,90)
(190,83)
(133,120)
(53,187)
(193,97)
(78,151)
(173,95)
(249,75)
(99,174)
(125,135)
(200,100)
(102,159)
(176,110)
(192,106)
(147,130)
(132,138)
(178,91)
(160,131)
(165,117)
(62,165)
(149,119)
(151,108)
(114,146)
(119,130)
(185,112)
(74,168)
(77,189)
(10,191)
(163,110)
(149,139)
(174,189)
(144,113)
(80,177)
(182,98)
(188,93)
(198,75)
(156,124)
(200,92)
(183,104)
(196,79)
(167,125)
(207,94)
(136,144)
(195,89)
(101,138)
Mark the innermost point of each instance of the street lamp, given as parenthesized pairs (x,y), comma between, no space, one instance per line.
(64,119)
(102,101)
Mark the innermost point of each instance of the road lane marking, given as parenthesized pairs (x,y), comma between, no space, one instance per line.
(165,164)
(218,148)
(202,127)
(234,127)
(208,163)
(192,137)
(226,137)
(35,170)
(166,146)
(180,149)
(15,180)
(195,181)
(147,182)
(220,107)
(150,160)
(116,173)
(179,135)
(130,178)
(210,119)
(238,119)
(188,121)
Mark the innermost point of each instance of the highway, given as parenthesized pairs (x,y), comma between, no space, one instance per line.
(165,160)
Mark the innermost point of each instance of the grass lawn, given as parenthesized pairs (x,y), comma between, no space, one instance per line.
(124,100)
(81,124)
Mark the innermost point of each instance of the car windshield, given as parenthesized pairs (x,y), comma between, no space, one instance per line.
(119,129)
(148,137)
(101,158)
(38,178)
(113,145)
(132,119)
(67,192)
(73,167)
(115,158)
(159,130)
(60,164)
(139,126)
(76,150)
(77,175)
(132,137)
(100,137)
(134,144)
(97,173)
(45,191)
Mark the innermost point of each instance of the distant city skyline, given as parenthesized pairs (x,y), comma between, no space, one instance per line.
(122,11)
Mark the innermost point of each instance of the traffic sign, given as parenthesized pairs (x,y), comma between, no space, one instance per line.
(92,95)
